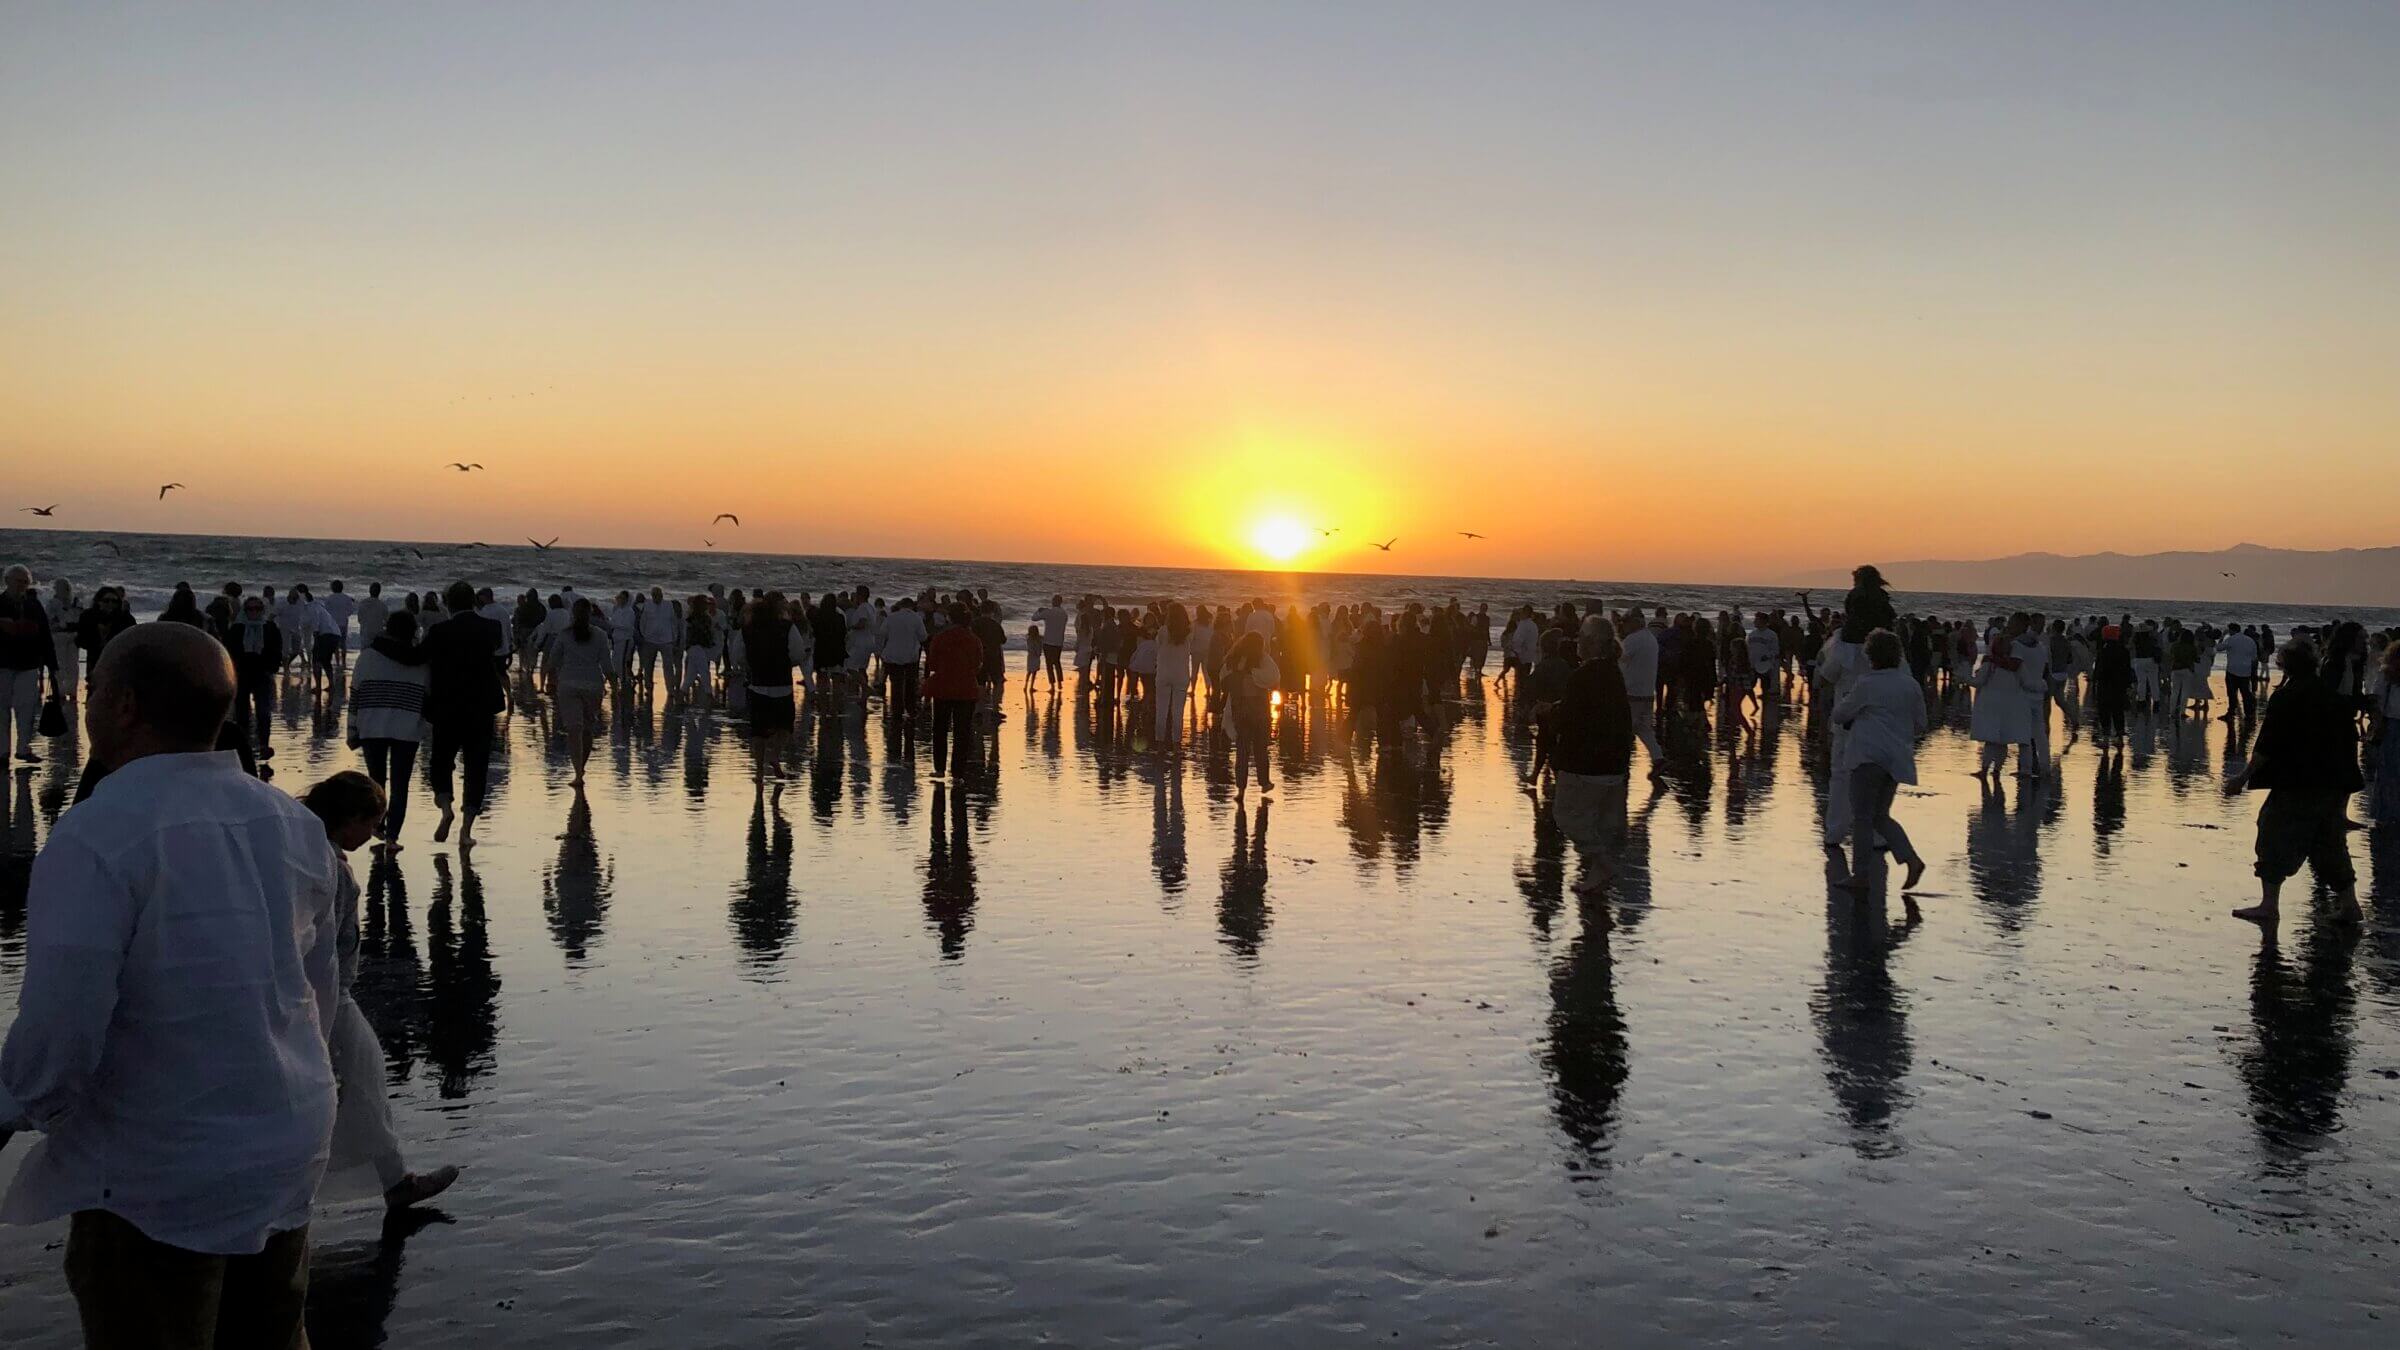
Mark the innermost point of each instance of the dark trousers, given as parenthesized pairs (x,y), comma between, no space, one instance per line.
(2240,695)
(953,725)
(399,758)
(252,697)
(1250,741)
(2108,707)
(1050,660)
(902,682)
(134,1291)
(472,737)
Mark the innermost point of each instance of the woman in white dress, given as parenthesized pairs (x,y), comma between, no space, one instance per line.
(2004,705)
(1884,713)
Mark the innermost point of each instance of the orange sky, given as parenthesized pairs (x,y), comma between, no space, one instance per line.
(1107,287)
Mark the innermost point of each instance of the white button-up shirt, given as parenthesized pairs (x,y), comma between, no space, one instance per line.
(1884,712)
(180,975)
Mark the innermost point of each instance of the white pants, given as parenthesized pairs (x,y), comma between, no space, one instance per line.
(699,665)
(24,702)
(365,1151)
(1645,730)
(1168,696)
(2145,680)
(70,663)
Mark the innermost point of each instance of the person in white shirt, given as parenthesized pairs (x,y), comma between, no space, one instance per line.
(1639,662)
(660,628)
(340,606)
(903,646)
(1764,646)
(1172,681)
(372,613)
(624,625)
(1053,619)
(322,639)
(1884,714)
(2240,651)
(180,974)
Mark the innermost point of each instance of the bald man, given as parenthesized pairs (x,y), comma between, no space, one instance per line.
(179,974)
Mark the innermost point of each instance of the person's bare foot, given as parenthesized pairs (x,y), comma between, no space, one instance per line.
(1916,873)
(466,832)
(441,832)
(2259,914)
(416,1189)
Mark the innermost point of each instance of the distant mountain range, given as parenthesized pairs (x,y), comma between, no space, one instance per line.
(2245,572)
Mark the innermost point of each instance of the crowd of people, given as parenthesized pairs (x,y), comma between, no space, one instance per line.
(197,1081)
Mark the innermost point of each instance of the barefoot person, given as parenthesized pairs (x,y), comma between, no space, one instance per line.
(2306,761)
(1884,713)
(179,976)
(1591,752)
(351,806)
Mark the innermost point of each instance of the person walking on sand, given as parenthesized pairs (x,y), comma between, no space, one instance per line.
(176,1063)
(1592,752)
(953,680)
(577,669)
(2306,761)
(26,654)
(364,1144)
(1884,714)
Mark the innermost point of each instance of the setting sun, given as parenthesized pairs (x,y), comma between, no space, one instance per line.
(1279,538)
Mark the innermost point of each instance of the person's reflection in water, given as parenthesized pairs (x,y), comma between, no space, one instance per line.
(2383,898)
(2298,1061)
(575,889)
(1862,1023)
(695,760)
(2108,800)
(824,771)
(1168,857)
(460,984)
(2004,865)
(353,1286)
(762,903)
(950,873)
(16,816)
(1585,1056)
(1542,877)
(391,980)
(1242,915)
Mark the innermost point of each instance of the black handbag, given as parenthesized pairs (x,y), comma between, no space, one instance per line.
(54,718)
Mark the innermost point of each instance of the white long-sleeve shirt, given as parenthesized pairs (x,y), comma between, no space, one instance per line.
(903,637)
(1884,713)
(1053,619)
(1639,662)
(170,1041)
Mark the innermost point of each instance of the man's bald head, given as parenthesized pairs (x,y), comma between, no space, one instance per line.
(159,688)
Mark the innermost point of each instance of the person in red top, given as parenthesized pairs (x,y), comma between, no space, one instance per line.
(953,670)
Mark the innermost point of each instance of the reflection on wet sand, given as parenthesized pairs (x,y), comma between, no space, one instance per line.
(1862,1023)
(1242,915)
(576,887)
(949,872)
(763,911)
(1586,1053)
(2297,1061)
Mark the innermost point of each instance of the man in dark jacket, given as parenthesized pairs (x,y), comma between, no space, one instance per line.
(463,694)
(1591,752)
(26,652)
(255,642)
(2306,761)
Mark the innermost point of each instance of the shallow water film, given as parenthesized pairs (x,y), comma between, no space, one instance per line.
(1078,1050)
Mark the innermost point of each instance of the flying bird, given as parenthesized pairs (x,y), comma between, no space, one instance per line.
(464,468)
(1386,546)
(41,510)
(478,544)
(111,547)
(1469,534)
(170,487)
(728,515)
(539,545)
(1332,532)
(2222,574)
(419,552)
(710,542)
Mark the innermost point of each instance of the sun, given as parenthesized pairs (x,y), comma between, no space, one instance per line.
(1279,538)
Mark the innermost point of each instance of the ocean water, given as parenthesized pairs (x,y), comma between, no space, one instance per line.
(149,565)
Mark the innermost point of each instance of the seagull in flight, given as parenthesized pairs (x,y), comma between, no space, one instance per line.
(728,515)
(110,545)
(710,542)
(164,490)
(464,468)
(2222,574)
(1469,534)
(478,544)
(1332,532)
(51,509)
(1386,546)
(539,545)
(419,552)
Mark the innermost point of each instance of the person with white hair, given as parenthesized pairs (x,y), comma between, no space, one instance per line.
(27,650)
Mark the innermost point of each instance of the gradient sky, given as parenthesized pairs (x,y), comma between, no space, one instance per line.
(1685,291)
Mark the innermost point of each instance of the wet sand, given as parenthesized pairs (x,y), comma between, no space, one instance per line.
(1080,1052)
